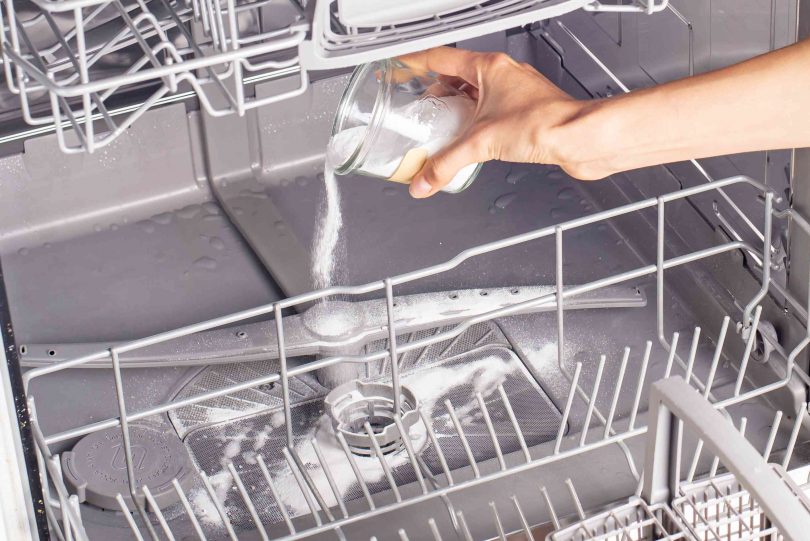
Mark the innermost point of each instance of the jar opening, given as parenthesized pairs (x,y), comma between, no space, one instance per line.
(361,109)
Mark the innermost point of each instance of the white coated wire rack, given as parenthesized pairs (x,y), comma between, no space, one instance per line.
(88,69)
(336,43)
(329,513)
(80,55)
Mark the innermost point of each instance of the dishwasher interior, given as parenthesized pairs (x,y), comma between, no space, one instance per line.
(485,368)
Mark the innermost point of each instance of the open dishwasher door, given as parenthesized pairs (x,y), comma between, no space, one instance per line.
(485,370)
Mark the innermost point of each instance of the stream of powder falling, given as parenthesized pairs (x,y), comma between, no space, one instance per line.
(325,253)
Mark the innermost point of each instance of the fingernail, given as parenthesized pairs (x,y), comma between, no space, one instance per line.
(419,187)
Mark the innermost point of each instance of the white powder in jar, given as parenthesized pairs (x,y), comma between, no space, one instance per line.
(431,123)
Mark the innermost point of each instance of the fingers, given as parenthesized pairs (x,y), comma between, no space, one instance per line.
(439,169)
(445,61)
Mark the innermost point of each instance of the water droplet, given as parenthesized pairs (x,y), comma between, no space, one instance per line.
(189,211)
(280,225)
(47,245)
(566,194)
(238,211)
(207,263)
(389,190)
(492,209)
(114,227)
(557,213)
(601,227)
(216,243)
(97,227)
(513,177)
(619,242)
(23,251)
(163,218)
(301,181)
(504,200)
(146,226)
(211,208)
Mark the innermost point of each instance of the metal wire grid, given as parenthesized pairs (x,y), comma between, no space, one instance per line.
(335,44)
(719,508)
(564,447)
(211,46)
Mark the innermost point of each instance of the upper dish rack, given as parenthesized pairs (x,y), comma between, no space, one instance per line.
(72,61)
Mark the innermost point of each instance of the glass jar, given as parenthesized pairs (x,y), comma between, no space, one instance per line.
(391,119)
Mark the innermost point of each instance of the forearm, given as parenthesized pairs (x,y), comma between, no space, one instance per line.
(760,104)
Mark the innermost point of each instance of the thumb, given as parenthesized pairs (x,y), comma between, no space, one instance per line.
(439,169)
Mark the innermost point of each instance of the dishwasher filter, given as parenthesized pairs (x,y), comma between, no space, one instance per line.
(239,429)
(96,467)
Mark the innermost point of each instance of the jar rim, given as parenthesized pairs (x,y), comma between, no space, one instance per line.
(355,159)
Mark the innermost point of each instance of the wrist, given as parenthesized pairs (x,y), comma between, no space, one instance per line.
(586,143)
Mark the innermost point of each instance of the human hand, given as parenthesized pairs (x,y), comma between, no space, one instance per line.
(518,117)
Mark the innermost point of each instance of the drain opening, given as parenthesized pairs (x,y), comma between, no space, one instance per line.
(355,403)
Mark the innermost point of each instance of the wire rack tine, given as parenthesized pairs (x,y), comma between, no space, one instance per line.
(302,485)
(329,477)
(406,440)
(357,473)
(515,425)
(690,365)
(434,530)
(567,411)
(434,441)
(671,357)
(313,487)
(223,516)
(465,530)
(645,361)
(122,412)
(777,419)
(392,346)
(550,506)
(158,513)
(592,401)
(498,523)
(523,522)
(276,497)
(181,494)
(491,429)
(695,460)
(383,463)
(575,498)
(254,515)
(285,379)
(558,251)
(718,352)
(794,434)
(749,345)
(128,516)
(614,403)
(463,438)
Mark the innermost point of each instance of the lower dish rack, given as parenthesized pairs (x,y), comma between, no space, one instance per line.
(275,453)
